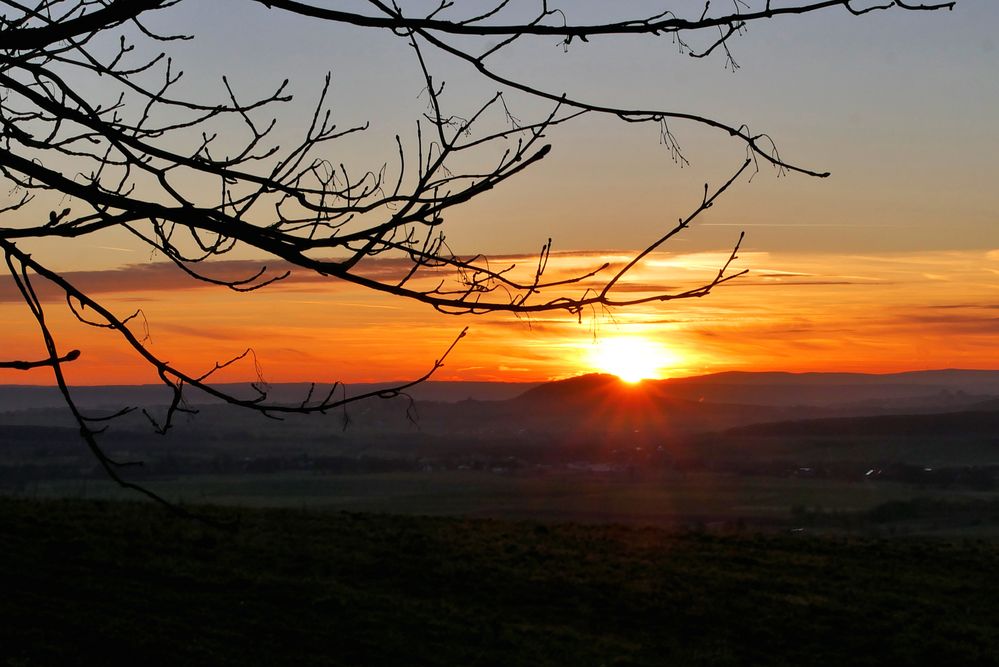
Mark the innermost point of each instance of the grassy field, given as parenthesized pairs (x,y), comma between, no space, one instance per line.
(659,499)
(98,582)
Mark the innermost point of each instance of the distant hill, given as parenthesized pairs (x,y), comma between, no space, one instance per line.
(710,422)
(739,414)
(25,397)
(604,403)
(950,423)
(953,378)
(919,390)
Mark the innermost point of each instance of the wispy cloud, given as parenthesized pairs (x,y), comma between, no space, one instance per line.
(855,312)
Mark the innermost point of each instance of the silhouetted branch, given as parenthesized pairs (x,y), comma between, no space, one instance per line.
(664,23)
(72,355)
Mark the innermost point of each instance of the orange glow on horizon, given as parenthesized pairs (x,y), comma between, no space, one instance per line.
(797,313)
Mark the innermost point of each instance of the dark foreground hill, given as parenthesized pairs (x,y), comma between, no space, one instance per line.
(108,583)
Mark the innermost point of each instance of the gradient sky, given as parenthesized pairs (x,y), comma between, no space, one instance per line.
(890,264)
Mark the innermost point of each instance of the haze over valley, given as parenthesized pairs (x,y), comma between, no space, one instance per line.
(825,450)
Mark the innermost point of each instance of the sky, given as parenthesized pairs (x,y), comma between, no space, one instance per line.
(890,264)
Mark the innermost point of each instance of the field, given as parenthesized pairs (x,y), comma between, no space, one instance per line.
(98,582)
(657,498)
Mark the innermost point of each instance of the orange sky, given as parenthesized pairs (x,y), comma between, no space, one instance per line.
(795,312)
(890,264)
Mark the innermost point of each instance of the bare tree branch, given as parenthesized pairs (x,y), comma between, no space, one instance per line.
(72,355)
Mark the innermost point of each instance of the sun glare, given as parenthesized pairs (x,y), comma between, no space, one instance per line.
(630,358)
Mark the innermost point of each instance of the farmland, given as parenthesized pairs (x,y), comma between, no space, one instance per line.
(660,498)
(89,581)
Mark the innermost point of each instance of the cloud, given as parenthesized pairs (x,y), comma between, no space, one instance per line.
(218,333)
(955,324)
(150,278)
(154,277)
(963,306)
(774,273)
(528,323)
(797,283)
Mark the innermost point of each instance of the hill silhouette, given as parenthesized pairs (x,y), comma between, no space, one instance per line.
(936,416)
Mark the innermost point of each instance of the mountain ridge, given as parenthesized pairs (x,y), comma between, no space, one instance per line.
(944,389)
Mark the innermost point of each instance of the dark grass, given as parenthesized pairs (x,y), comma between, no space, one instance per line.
(92,582)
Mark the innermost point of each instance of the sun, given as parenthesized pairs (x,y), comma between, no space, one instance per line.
(631,358)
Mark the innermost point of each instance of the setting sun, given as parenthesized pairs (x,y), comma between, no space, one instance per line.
(630,358)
